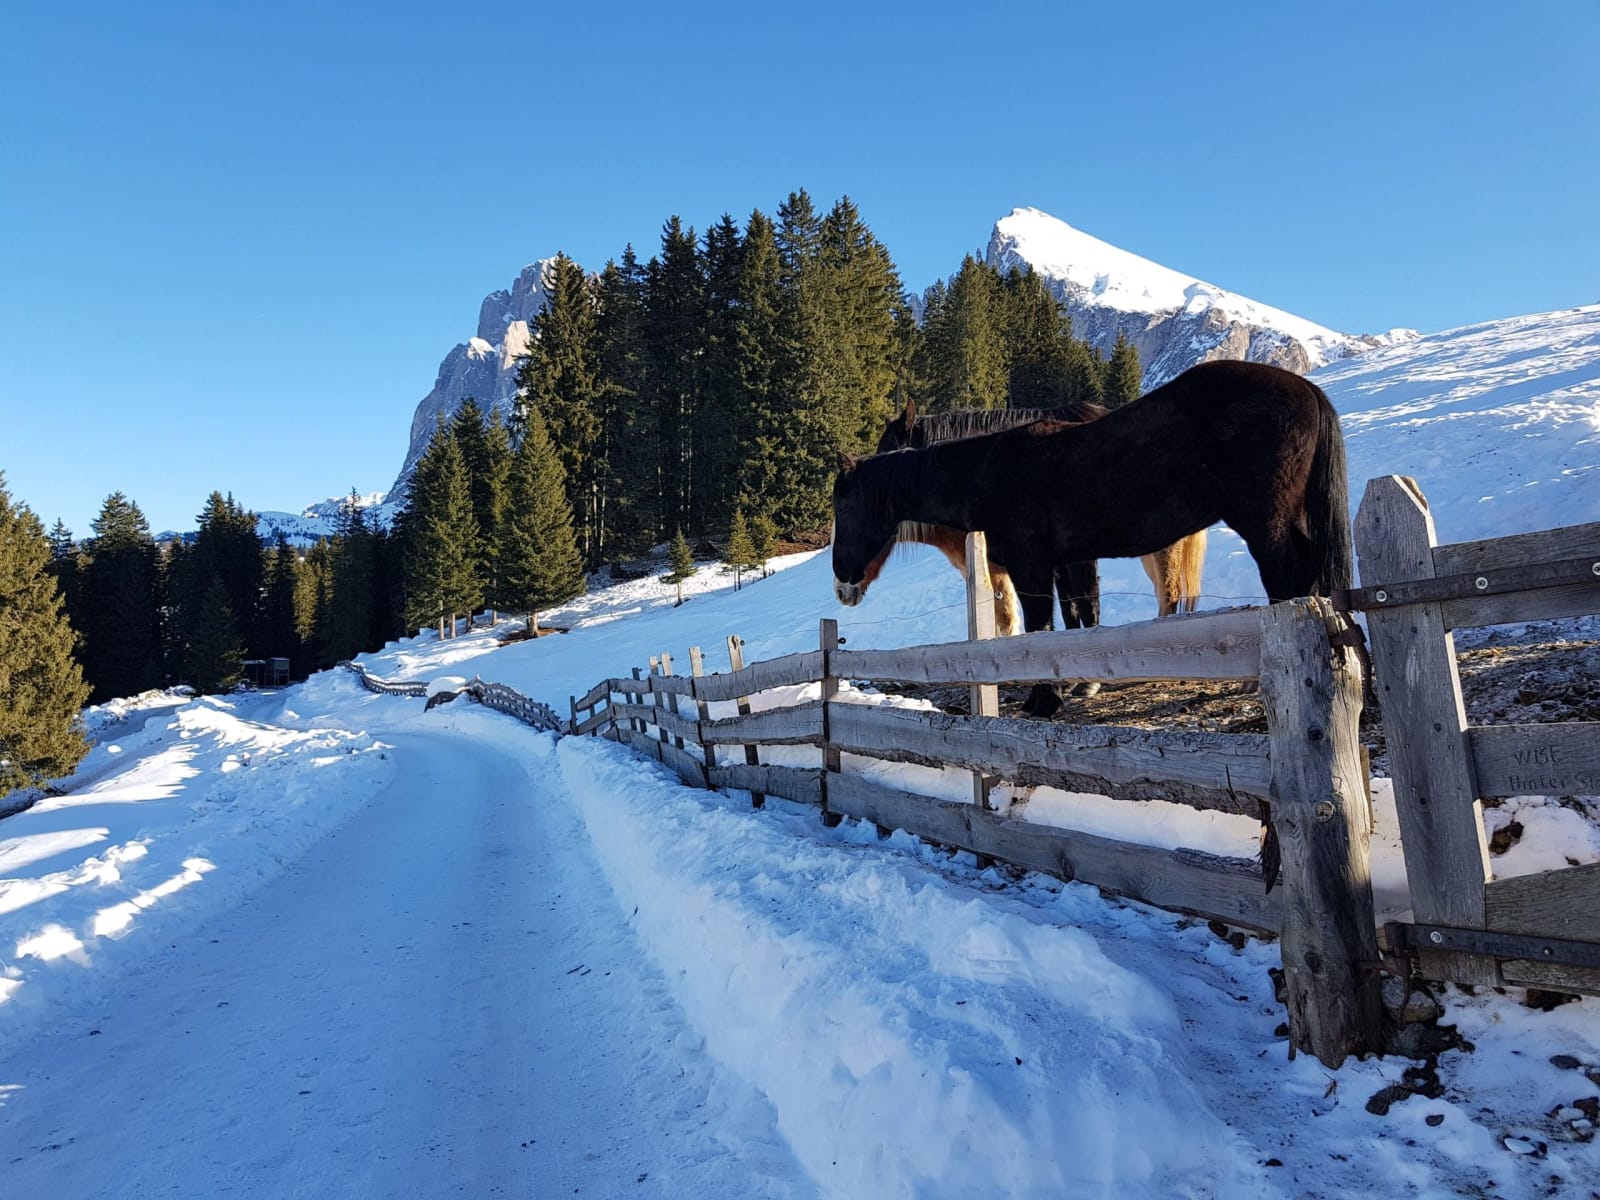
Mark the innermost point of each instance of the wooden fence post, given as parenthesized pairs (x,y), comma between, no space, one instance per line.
(636,698)
(655,698)
(829,640)
(697,668)
(751,755)
(671,699)
(1425,724)
(984,698)
(1311,689)
(572,703)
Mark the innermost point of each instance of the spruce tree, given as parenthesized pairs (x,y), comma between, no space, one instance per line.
(561,378)
(682,560)
(313,589)
(215,650)
(537,560)
(740,554)
(280,638)
(674,329)
(1123,378)
(630,501)
(763,534)
(348,628)
(65,565)
(442,555)
(121,582)
(41,685)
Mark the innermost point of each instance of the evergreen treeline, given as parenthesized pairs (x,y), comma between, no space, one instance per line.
(728,372)
(147,616)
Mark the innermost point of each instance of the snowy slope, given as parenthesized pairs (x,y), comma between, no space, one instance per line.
(1173,320)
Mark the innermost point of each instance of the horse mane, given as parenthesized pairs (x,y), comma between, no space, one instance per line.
(973,422)
(884,478)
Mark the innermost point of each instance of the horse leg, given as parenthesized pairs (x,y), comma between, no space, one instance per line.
(1193,571)
(1159,567)
(1078,585)
(1007,607)
(1034,593)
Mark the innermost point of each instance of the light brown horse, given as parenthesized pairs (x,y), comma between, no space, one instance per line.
(1174,571)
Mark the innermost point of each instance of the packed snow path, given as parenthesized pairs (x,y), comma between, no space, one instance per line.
(440,999)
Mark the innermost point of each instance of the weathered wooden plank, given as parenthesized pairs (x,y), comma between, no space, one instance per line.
(1552,977)
(1217,771)
(983,699)
(1228,889)
(797,725)
(642,743)
(669,721)
(689,768)
(803,785)
(1311,690)
(787,671)
(1537,760)
(599,692)
(1436,794)
(1559,904)
(702,710)
(671,685)
(1574,600)
(1213,645)
(636,696)
(752,756)
(1543,545)
(599,718)
(1501,581)
(828,645)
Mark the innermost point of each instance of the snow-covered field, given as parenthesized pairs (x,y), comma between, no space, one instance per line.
(318,942)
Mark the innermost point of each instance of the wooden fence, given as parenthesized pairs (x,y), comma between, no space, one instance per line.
(493,695)
(1306,776)
(1535,930)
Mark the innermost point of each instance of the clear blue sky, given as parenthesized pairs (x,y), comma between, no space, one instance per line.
(235,241)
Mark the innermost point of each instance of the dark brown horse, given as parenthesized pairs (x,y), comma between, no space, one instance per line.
(1253,445)
(1175,571)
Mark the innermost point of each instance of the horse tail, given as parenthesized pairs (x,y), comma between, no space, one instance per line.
(1328,504)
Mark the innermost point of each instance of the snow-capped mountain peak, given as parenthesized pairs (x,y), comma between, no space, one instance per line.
(1173,319)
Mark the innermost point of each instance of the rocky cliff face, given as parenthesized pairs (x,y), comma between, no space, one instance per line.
(1173,320)
(484,367)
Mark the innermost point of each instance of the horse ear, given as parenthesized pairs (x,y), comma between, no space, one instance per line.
(910,415)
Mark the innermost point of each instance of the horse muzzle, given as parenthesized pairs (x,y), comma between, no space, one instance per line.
(849,594)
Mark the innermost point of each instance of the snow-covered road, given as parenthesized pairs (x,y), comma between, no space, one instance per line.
(441,998)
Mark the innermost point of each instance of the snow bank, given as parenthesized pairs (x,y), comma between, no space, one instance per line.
(914,1040)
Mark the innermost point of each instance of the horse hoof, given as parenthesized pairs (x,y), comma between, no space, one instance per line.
(1086,688)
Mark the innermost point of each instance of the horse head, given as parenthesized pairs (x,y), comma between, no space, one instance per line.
(863,535)
(898,433)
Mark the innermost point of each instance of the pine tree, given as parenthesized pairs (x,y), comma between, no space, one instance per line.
(313,589)
(762,536)
(722,435)
(537,560)
(280,638)
(66,565)
(228,547)
(630,502)
(442,533)
(682,560)
(215,649)
(41,685)
(348,624)
(486,454)
(740,554)
(121,582)
(1123,378)
(561,379)
(674,330)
